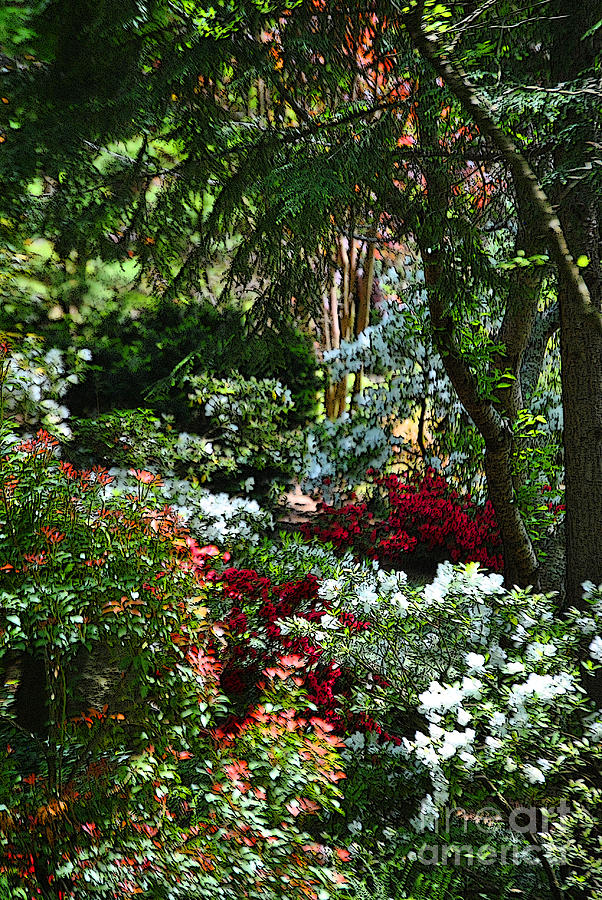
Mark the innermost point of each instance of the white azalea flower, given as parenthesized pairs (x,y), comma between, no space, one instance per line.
(475,662)
(463,717)
(595,649)
(533,774)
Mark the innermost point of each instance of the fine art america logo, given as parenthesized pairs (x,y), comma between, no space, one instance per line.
(518,836)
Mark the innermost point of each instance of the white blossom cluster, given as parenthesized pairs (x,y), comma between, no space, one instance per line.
(36,381)
(230,522)
(400,345)
(494,675)
(226,406)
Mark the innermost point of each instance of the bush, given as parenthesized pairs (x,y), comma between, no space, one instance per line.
(239,442)
(137,339)
(272,609)
(424,521)
(144,787)
(34,380)
(134,355)
(256,613)
(483,691)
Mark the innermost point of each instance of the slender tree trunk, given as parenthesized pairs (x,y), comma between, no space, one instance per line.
(581,343)
(520,562)
(492,418)
(335,339)
(364,291)
(349,310)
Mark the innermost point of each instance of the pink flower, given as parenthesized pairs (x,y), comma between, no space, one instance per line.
(145,477)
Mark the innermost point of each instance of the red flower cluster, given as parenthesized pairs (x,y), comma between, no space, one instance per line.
(343,527)
(257,605)
(442,520)
(40,445)
(424,515)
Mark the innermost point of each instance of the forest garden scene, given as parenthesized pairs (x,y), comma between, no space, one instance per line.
(301,449)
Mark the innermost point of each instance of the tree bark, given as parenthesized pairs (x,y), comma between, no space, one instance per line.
(493,418)
(546,323)
(581,321)
(580,343)
(520,562)
(362,318)
(521,308)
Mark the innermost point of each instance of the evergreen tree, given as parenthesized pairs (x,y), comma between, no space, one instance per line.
(286,125)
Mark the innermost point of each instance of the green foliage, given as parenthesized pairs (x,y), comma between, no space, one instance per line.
(138,439)
(246,419)
(223,342)
(398,878)
(137,337)
(538,476)
(576,845)
(34,379)
(180,177)
(240,436)
(129,778)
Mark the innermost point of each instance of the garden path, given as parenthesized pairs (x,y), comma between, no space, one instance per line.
(297,507)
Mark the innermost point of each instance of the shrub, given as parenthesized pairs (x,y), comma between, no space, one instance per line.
(239,442)
(35,379)
(137,339)
(267,615)
(133,438)
(134,355)
(144,788)
(424,520)
(255,609)
(483,690)
(246,421)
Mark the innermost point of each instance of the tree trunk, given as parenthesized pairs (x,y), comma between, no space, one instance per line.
(546,323)
(364,292)
(349,311)
(492,418)
(521,307)
(520,562)
(580,343)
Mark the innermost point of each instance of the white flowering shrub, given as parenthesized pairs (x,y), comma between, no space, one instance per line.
(239,438)
(247,421)
(415,388)
(293,557)
(399,345)
(483,690)
(231,522)
(35,381)
(138,438)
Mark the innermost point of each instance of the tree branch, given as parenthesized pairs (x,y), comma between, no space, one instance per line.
(522,173)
